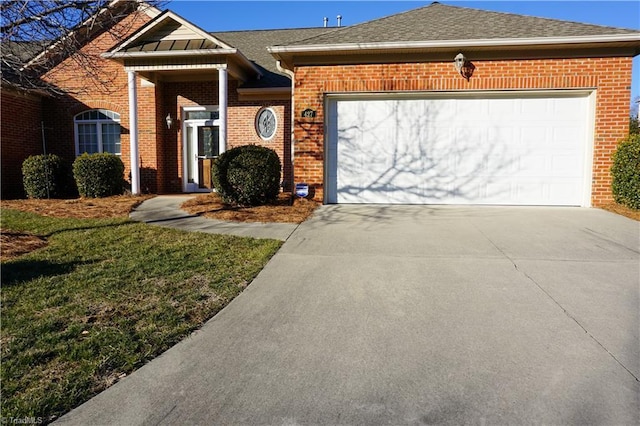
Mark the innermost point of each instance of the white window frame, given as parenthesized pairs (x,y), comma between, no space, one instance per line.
(186,185)
(115,119)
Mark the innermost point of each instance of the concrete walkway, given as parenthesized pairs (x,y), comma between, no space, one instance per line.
(164,210)
(398,315)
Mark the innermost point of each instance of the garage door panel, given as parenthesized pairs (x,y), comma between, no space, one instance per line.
(467,150)
(565,165)
(533,135)
(567,137)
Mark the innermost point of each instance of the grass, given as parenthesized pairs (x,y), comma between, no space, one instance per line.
(104,297)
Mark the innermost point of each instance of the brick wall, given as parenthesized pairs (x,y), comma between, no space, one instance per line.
(160,149)
(611,77)
(102,86)
(240,125)
(242,130)
(21,137)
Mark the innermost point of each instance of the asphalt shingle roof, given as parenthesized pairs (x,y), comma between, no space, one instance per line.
(442,22)
(253,44)
(14,55)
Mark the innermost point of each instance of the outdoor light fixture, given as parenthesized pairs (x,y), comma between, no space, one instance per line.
(169,121)
(464,66)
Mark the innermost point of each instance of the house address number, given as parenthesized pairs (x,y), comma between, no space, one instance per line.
(308,113)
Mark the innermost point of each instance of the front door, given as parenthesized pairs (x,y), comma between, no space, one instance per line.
(202,146)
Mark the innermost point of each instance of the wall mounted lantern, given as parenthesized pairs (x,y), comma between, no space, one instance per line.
(464,66)
(169,121)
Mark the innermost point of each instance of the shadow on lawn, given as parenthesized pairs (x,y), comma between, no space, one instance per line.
(16,272)
(88,228)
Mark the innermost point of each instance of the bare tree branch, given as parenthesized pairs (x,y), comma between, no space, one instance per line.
(41,15)
(38,35)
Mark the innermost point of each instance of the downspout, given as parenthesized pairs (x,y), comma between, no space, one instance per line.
(291,75)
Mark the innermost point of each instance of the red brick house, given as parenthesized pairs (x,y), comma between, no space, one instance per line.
(437,105)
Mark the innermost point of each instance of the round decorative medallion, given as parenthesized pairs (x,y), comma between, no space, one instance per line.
(266,123)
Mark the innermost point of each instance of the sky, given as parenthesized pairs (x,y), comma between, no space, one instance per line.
(219,15)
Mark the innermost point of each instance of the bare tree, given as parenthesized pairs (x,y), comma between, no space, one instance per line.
(37,35)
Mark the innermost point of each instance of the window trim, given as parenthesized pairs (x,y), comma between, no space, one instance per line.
(98,123)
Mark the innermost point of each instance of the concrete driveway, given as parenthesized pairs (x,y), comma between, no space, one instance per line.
(414,315)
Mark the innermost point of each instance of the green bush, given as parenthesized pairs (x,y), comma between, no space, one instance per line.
(45,176)
(626,172)
(99,175)
(634,125)
(248,175)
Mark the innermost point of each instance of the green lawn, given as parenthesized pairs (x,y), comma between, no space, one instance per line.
(105,297)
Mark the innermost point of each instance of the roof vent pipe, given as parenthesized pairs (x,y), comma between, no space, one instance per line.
(339,20)
(325,21)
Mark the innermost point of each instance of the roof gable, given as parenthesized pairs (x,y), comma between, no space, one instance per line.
(169,32)
(170,44)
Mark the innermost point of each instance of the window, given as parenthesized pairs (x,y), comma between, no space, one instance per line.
(202,115)
(266,123)
(97,130)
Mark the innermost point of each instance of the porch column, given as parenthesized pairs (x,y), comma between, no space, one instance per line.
(133,132)
(222,102)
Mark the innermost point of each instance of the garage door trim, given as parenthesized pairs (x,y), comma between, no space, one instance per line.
(332,99)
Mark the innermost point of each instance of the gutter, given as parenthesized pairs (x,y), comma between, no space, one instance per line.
(168,53)
(291,74)
(435,44)
(185,53)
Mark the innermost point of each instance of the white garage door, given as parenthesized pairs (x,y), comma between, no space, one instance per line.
(528,150)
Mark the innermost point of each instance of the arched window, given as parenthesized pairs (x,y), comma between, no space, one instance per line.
(97,130)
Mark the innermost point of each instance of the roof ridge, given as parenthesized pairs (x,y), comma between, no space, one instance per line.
(269,29)
(335,29)
(521,15)
(338,29)
(438,21)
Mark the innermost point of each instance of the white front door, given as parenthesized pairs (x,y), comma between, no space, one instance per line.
(201,145)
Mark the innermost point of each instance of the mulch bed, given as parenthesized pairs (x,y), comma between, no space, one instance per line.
(79,208)
(622,210)
(15,244)
(284,210)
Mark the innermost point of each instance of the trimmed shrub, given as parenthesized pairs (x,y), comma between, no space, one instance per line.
(247,175)
(626,172)
(45,176)
(99,175)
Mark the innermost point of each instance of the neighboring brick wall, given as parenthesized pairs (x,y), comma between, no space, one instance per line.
(21,137)
(611,77)
(107,89)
